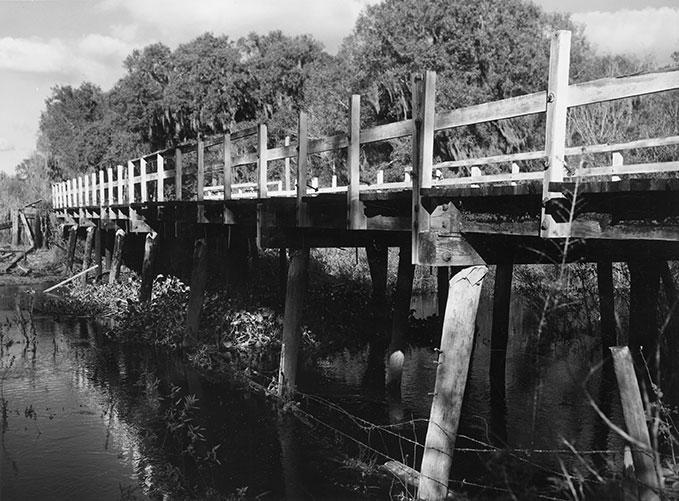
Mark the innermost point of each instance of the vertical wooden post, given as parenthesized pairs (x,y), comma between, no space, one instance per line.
(643,322)
(287,166)
(114,269)
(424,97)
(399,319)
(86,189)
(130,182)
(121,184)
(110,185)
(148,272)
(604,273)
(498,348)
(262,161)
(302,153)
(160,183)
(442,277)
(292,322)
(197,291)
(102,188)
(355,214)
(143,180)
(87,255)
(94,189)
(178,174)
(200,174)
(79,193)
(555,133)
(72,242)
(377,254)
(457,341)
(228,177)
(635,421)
(14,214)
(282,272)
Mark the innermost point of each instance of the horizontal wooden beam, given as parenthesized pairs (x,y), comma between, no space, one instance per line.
(608,89)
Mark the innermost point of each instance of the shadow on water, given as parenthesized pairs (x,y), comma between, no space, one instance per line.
(89,418)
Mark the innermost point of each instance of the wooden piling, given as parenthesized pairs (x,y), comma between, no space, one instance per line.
(399,322)
(148,271)
(197,291)
(499,339)
(442,277)
(14,215)
(377,254)
(635,421)
(98,246)
(282,272)
(643,304)
(604,273)
(72,242)
(457,341)
(87,255)
(292,322)
(114,268)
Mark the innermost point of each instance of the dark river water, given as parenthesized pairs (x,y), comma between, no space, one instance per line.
(88,419)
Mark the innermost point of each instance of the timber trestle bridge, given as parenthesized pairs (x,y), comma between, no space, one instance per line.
(600,210)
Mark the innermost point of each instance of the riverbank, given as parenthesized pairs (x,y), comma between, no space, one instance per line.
(38,267)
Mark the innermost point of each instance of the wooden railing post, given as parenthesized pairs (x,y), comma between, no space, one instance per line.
(130,182)
(262,161)
(160,172)
(86,190)
(102,188)
(424,94)
(178,174)
(200,174)
(79,193)
(94,188)
(109,172)
(302,153)
(143,180)
(287,166)
(356,219)
(554,223)
(227,166)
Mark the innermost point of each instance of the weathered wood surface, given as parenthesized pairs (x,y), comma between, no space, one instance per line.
(635,421)
(117,258)
(199,274)
(148,265)
(457,341)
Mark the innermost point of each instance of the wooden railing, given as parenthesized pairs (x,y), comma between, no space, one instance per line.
(120,185)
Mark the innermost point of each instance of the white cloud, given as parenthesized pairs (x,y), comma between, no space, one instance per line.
(93,57)
(5,145)
(328,20)
(643,32)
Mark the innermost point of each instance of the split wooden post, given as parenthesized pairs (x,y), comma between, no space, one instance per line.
(262,161)
(498,348)
(302,154)
(87,255)
(114,269)
(604,274)
(555,135)
(635,421)
(399,319)
(178,174)
(227,166)
(147,271)
(292,322)
(356,218)
(72,242)
(197,291)
(457,341)
(424,98)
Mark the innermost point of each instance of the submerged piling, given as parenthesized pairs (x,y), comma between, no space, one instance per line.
(399,322)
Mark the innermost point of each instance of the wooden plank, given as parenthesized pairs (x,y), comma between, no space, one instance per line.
(246,159)
(94,189)
(109,185)
(69,279)
(519,106)
(130,182)
(282,152)
(635,421)
(262,161)
(384,132)
(490,178)
(287,164)
(160,179)
(178,173)
(612,170)
(608,89)
(356,218)
(302,159)
(14,217)
(228,176)
(80,191)
(631,145)
(200,174)
(329,143)
(28,232)
(457,342)
(243,133)
(555,129)
(468,162)
(102,188)
(86,190)
(121,184)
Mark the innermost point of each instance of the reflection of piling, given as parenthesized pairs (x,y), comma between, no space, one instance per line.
(457,341)
(292,322)
(399,322)
(498,349)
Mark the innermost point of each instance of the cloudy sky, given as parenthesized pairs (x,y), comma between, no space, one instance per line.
(49,42)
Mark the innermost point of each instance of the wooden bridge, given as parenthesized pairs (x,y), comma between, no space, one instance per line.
(449,214)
